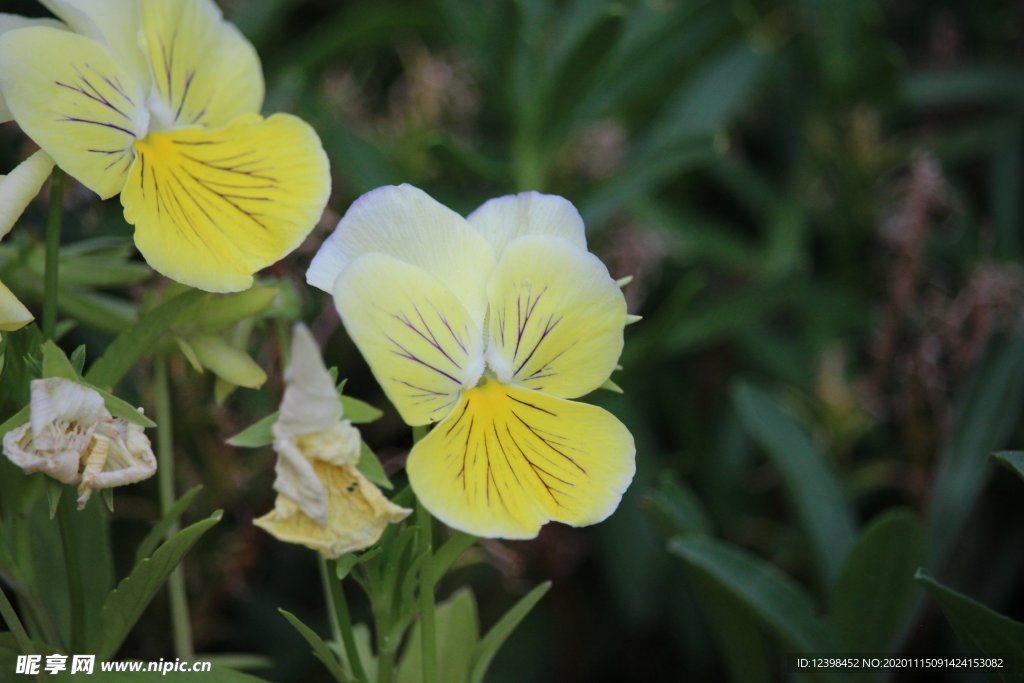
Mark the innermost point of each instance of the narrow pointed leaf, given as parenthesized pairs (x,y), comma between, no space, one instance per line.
(126,603)
(813,489)
(499,633)
(320,648)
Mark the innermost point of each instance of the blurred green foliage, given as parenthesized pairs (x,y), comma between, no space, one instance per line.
(820,204)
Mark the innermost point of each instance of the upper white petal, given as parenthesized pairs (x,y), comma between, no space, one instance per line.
(504,219)
(408,224)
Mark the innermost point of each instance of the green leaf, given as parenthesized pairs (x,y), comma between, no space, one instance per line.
(874,593)
(256,435)
(986,633)
(677,507)
(779,604)
(78,360)
(320,648)
(1011,460)
(122,409)
(125,604)
(449,553)
(985,413)
(56,363)
(159,530)
(16,420)
(220,312)
(359,412)
(810,482)
(499,633)
(457,634)
(740,640)
(54,489)
(346,563)
(141,338)
(371,468)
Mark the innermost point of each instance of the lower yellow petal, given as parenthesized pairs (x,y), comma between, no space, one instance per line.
(508,460)
(357,513)
(13,313)
(210,208)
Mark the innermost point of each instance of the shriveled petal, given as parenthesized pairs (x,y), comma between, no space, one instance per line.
(556,318)
(296,480)
(62,465)
(56,402)
(59,434)
(408,224)
(114,23)
(504,219)
(508,460)
(210,208)
(20,187)
(120,454)
(204,71)
(418,338)
(357,514)
(75,101)
(9,22)
(310,402)
(13,314)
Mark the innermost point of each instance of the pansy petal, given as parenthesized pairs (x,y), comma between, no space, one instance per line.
(210,208)
(556,318)
(504,219)
(204,71)
(408,224)
(20,187)
(507,460)
(310,402)
(114,23)
(420,342)
(357,514)
(120,454)
(9,22)
(69,95)
(13,313)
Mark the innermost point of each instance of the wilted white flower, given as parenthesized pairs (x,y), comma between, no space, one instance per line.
(323,501)
(72,437)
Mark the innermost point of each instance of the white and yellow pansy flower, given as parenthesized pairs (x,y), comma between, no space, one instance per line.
(488,326)
(159,102)
(72,437)
(323,501)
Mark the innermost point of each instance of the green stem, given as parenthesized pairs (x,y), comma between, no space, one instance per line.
(428,621)
(10,618)
(385,652)
(52,254)
(14,625)
(75,590)
(181,625)
(341,621)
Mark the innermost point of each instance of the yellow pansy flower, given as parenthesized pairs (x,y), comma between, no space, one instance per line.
(488,326)
(323,501)
(72,437)
(159,102)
